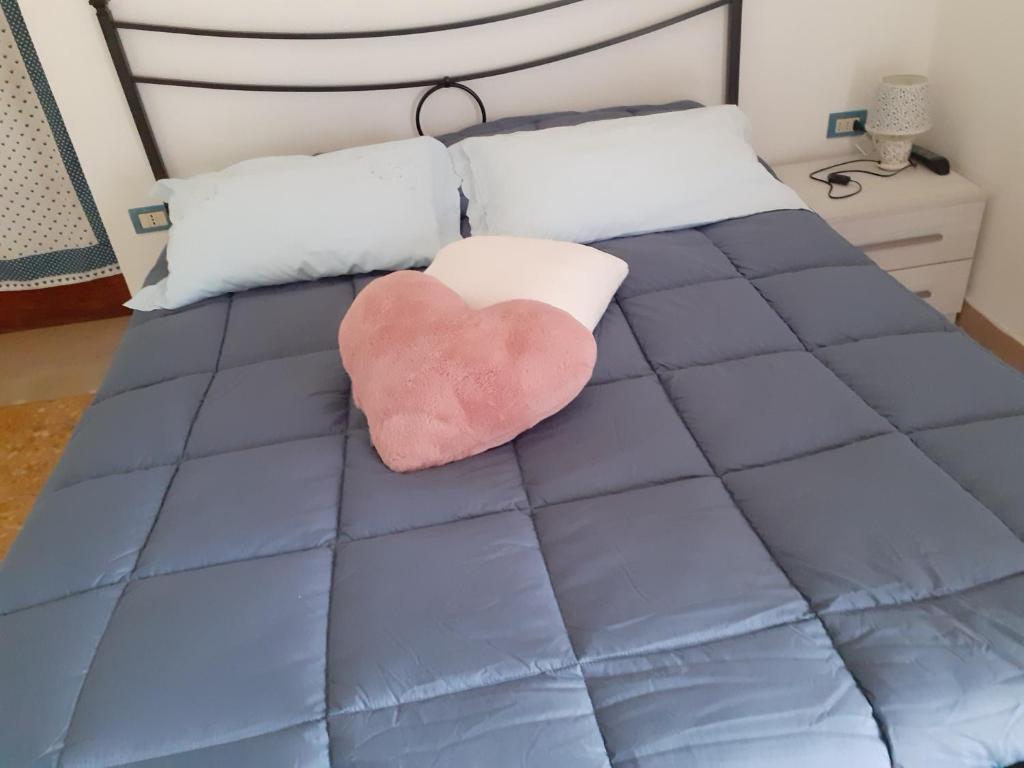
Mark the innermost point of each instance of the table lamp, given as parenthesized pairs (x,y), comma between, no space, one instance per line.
(901,112)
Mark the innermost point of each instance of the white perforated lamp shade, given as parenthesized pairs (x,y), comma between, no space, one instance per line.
(901,107)
(902,110)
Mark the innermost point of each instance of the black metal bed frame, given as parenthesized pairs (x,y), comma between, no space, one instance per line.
(130,82)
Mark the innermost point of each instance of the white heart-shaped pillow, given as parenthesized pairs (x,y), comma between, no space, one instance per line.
(489,270)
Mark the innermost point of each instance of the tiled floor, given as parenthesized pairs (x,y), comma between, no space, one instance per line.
(47,377)
(46,363)
(34,436)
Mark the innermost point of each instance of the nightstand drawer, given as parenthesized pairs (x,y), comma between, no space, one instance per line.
(916,238)
(941,285)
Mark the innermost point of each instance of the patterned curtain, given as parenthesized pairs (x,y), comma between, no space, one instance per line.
(50,230)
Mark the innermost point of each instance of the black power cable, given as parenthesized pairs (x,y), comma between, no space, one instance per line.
(842,178)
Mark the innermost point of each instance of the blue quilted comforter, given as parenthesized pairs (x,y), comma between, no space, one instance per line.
(780,527)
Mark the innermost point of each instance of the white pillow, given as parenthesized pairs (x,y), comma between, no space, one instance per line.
(488,270)
(617,177)
(281,219)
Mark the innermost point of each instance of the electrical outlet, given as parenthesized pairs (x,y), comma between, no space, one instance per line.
(842,123)
(151,218)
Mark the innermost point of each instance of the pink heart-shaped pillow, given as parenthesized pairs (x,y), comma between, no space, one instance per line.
(439,381)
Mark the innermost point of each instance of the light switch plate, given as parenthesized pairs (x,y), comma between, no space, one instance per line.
(151,218)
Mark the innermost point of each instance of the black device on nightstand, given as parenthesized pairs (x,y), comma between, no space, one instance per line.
(933,161)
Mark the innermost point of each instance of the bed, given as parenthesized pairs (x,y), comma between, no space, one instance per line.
(781,526)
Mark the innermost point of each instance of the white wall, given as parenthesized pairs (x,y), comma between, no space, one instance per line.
(801,60)
(976,79)
(805,58)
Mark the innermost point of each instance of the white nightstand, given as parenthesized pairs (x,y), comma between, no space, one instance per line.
(919,227)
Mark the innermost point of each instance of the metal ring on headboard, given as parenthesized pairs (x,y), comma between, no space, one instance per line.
(447,82)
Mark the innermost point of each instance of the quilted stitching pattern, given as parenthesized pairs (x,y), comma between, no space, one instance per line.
(760,535)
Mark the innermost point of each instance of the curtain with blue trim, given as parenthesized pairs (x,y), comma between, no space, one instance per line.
(50,231)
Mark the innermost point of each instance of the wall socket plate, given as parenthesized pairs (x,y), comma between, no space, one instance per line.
(151,218)
(841,123)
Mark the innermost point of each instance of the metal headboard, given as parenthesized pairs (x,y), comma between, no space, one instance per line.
(130,81)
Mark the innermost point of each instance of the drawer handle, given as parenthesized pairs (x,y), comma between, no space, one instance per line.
(925,294)
(902,242)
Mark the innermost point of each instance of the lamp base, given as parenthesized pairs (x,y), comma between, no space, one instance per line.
(893,166)
(893,151)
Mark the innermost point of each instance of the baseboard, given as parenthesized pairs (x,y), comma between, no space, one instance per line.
(986,333)
(60,304)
